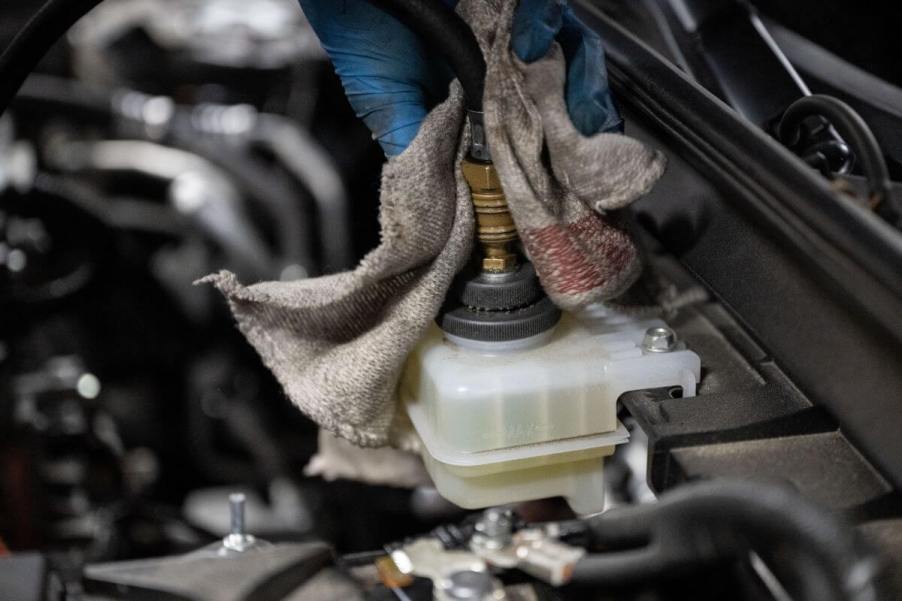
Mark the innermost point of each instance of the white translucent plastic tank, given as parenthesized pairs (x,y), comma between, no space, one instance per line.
(501,423)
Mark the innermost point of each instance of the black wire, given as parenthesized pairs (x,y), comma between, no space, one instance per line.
(443,30)
(852,128)
(49,24)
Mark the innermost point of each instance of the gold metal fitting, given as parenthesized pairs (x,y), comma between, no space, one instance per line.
(494,225)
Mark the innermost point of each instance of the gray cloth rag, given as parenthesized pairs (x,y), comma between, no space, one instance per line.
(337,344)
(338,459)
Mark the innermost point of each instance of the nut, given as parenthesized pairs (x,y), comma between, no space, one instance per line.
(482,177)
(499,264)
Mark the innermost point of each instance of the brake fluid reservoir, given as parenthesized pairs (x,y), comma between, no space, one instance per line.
(504,422)
(513,401)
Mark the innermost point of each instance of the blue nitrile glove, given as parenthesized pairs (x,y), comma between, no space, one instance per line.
(392,80)
(539,23)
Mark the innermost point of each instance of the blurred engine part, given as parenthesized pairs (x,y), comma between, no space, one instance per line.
(119,190)
(60,434)
(227,49)
(211,158)
(264,34)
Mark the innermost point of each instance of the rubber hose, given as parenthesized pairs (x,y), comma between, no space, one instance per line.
(703,522)
(49,24)
(444,31)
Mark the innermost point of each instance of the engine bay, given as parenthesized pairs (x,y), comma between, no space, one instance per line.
(726,430)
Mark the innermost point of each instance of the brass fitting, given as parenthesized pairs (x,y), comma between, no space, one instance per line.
(494,225)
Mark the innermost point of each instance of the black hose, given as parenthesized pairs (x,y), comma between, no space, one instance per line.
(852,128)
(444,31)
(48,25)
(714,522)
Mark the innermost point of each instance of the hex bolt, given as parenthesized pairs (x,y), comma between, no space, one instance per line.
(659,340)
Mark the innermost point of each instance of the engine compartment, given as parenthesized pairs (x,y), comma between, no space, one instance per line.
(147,152)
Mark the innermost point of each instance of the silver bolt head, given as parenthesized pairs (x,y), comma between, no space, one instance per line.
(469,585)
(659,340)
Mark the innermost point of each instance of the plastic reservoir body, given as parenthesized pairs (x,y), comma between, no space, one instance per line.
(501,423)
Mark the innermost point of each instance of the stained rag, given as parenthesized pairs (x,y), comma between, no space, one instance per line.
(337,344)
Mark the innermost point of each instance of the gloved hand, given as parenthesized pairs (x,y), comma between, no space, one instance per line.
(538,24)
(392,80)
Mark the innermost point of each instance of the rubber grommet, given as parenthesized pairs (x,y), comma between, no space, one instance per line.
(500,326)
(499,292)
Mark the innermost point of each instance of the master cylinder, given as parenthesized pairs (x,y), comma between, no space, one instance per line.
(515,401)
